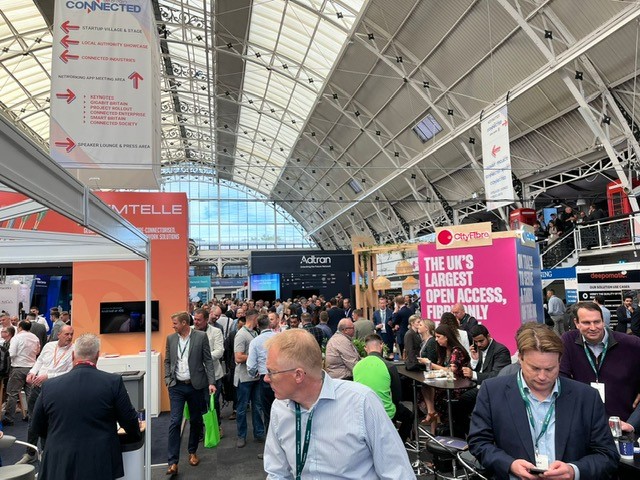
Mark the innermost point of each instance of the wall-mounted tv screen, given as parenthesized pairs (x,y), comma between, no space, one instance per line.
(125,317)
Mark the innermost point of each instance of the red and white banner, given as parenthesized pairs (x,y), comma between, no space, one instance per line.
(105,86)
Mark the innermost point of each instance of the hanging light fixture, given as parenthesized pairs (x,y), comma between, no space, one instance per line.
(382,283)
(410,283)
(403,267)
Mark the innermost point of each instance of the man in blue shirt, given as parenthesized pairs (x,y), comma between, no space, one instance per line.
(535,422)
(322,427)
(257,364)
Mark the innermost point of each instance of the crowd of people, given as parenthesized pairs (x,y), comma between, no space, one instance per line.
(319,369)
(560,224)
(288,375)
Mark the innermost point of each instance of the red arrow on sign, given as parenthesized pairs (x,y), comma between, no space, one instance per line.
(66,56)
(136,77)
(70,144)
(66,41)
(66,26)
(505,123)
(495,150)
(70,96)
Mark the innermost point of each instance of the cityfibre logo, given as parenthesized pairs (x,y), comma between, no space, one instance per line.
(313,260)
(445,237)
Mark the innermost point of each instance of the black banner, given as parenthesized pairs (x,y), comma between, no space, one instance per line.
(310,261)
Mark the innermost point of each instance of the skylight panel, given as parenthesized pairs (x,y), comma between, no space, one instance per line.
(427,128)
(355,186)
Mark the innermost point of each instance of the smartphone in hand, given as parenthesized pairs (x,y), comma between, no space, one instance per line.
(537,470)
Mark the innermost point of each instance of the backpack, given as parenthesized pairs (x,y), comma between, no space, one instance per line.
(5,361)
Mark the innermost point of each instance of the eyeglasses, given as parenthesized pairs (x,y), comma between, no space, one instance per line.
(349,328)
(271,373)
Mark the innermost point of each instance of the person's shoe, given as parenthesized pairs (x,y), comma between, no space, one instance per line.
(241,442)
(261,456)
(193,460)
(173,469)
(232,416)
(260,439)
(26,458)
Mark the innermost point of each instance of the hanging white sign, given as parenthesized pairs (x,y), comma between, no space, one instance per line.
(496,159)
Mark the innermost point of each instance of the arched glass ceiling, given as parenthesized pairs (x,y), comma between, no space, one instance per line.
(225,215)
(289,50)
(25,60)
(303,51)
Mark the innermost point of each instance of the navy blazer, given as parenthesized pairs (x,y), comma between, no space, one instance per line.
(77,413)
(500,431)
(377,320)
(401,318)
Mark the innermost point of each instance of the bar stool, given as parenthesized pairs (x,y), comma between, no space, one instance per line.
(16,472)
(454,450)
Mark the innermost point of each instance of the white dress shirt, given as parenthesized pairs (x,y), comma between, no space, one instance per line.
(24,349)
(53,360)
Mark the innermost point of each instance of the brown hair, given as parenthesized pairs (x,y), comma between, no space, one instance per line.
(539,339)
(183,317)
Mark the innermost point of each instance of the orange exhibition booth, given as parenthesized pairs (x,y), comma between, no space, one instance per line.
(163,218)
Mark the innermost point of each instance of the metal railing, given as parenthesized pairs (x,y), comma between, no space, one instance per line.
(601,235)
(559,251)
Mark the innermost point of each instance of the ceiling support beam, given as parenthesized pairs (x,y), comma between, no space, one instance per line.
(629,14)
(584,108)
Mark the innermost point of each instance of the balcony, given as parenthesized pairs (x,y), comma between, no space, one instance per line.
(615,234)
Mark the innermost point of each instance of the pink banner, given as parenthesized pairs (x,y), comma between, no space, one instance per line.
(484,279)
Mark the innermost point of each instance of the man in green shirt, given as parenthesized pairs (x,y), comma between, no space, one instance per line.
(382,377)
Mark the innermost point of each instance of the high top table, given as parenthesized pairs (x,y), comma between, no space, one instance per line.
(448,385)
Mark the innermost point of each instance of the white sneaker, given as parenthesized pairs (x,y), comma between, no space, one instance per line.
(26,458)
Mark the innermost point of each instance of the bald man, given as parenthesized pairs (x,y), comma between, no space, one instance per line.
(340,354)
(54,360)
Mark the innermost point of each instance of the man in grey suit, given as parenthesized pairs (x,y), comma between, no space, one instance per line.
(188,370)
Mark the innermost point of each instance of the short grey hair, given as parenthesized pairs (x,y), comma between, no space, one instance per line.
(87,347)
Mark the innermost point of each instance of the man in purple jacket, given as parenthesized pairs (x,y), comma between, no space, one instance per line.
(609,361)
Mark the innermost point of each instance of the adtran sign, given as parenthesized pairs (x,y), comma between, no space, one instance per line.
(313,260)
(301,261)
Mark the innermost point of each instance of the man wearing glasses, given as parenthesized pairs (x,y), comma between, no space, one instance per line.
(341,355)
(322,427)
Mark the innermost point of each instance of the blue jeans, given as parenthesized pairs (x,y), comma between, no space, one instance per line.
(178,395)
(249,391)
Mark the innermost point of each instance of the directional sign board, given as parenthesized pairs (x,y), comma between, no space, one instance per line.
(496,158)
(105,92)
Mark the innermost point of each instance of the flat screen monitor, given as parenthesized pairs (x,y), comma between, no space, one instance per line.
(126,317)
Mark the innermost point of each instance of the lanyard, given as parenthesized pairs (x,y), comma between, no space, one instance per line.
(56,360)
(593,361)
(253,333)
(301,451)
(547,417)
(182,350)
